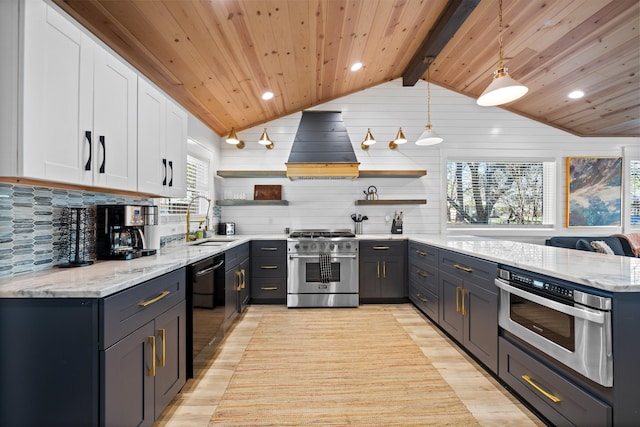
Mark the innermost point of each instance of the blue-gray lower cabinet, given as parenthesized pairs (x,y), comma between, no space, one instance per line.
(87,361)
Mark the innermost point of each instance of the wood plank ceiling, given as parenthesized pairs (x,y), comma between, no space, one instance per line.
(216,57)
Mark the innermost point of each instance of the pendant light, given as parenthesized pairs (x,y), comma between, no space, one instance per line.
(233,139)
(503,88)
(368,140)
(399,140)
(265,140)
(429,137)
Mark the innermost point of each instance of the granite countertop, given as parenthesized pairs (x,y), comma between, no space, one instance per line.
(606,272)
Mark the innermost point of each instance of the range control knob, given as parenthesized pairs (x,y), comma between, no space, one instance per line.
(331,246)
(297,246)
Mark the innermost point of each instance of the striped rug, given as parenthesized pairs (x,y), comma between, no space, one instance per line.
(336,367)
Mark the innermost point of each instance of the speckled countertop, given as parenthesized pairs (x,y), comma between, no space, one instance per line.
(606,272)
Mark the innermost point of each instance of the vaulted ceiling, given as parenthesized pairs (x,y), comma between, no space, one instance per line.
(216,57)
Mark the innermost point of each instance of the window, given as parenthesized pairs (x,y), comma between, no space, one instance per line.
(500,193)
(197,185)
(635,191)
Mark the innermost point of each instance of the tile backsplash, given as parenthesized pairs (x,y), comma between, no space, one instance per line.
(33,224)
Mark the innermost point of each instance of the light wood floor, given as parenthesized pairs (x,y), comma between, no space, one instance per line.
(488,401)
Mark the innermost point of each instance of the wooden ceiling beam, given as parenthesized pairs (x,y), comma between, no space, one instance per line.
(448,23)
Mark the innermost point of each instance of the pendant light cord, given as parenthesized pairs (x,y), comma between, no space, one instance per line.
(500,66)
(429,96)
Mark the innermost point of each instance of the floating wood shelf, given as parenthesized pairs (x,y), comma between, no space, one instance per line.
(252,202)
(283,174)
(392,202)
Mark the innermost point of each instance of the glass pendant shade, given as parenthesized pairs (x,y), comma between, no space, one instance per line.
(429,137)
(503,89)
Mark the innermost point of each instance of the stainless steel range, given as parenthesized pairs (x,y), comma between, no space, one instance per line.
(322,269)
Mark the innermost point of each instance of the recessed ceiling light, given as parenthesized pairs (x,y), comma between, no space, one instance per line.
(356,66)
(576,94)
(267,96)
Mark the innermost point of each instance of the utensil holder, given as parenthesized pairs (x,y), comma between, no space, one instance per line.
(358,228)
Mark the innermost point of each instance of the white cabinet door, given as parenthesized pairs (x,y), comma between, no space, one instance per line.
(176,150)
(162,139)
(114,123)
(57,97)
(152,165)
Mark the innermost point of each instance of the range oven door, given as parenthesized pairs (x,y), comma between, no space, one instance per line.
(575,335)
(304,275)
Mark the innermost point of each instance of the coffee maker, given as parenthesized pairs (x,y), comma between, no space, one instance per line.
(119,231)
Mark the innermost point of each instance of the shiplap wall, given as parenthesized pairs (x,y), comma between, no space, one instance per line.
(469,132)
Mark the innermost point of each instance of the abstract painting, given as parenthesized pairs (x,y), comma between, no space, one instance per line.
(594,191)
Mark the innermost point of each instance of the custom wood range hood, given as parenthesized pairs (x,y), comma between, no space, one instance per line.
(322,148)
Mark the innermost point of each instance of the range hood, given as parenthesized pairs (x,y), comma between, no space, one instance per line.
(322,148)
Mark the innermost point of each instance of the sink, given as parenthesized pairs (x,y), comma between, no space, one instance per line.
(214,242)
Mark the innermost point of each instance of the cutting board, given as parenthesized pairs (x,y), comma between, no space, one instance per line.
(267,192)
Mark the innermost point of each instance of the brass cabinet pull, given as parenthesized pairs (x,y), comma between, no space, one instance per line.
(269,267)
(421,298)
(268,249)
(384,269)
(546,394)
(163,337)
(238,280)
(156,299)
(380,248)
(269,288)
(378,264)
(422,273)
(464,294)
(244,278)
(152,369)
(421,253)
(463,268)
(458,289)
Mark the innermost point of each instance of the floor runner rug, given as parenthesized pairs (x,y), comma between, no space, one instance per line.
(336,367)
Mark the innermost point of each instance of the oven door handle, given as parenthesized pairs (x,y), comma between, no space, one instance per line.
(210,269)
(586,314)
(354,256)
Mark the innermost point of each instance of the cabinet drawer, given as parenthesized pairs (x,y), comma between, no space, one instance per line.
(423,254)
(126,311)
(575,405)
(480,272)
(269,289)
(266,248)
(269,267)
(235,256)
(425,300)
(425,276)
(382,248)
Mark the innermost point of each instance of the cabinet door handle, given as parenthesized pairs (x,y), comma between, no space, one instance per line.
(268,249)
(464,295)
(378,268)
(463,268)
(380,248)
(421,253)
(422,273)
(152,369)
(171,179)
(164,167)
(269,288)
(238,280)
(87,135)
(421,298)
(545,393)
(458,289)
(269,267)
(152,300)
(104,153)
(163,337)
(384,269)
(244,278)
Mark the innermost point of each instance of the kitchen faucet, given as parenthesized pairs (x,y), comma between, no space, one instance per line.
(189,214)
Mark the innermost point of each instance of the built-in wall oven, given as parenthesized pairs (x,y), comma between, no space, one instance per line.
(322,269)
(566,321)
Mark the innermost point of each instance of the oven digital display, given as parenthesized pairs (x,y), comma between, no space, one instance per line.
(539,284)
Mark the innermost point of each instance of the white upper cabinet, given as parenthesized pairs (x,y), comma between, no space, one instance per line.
(79,106)
(162,138)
